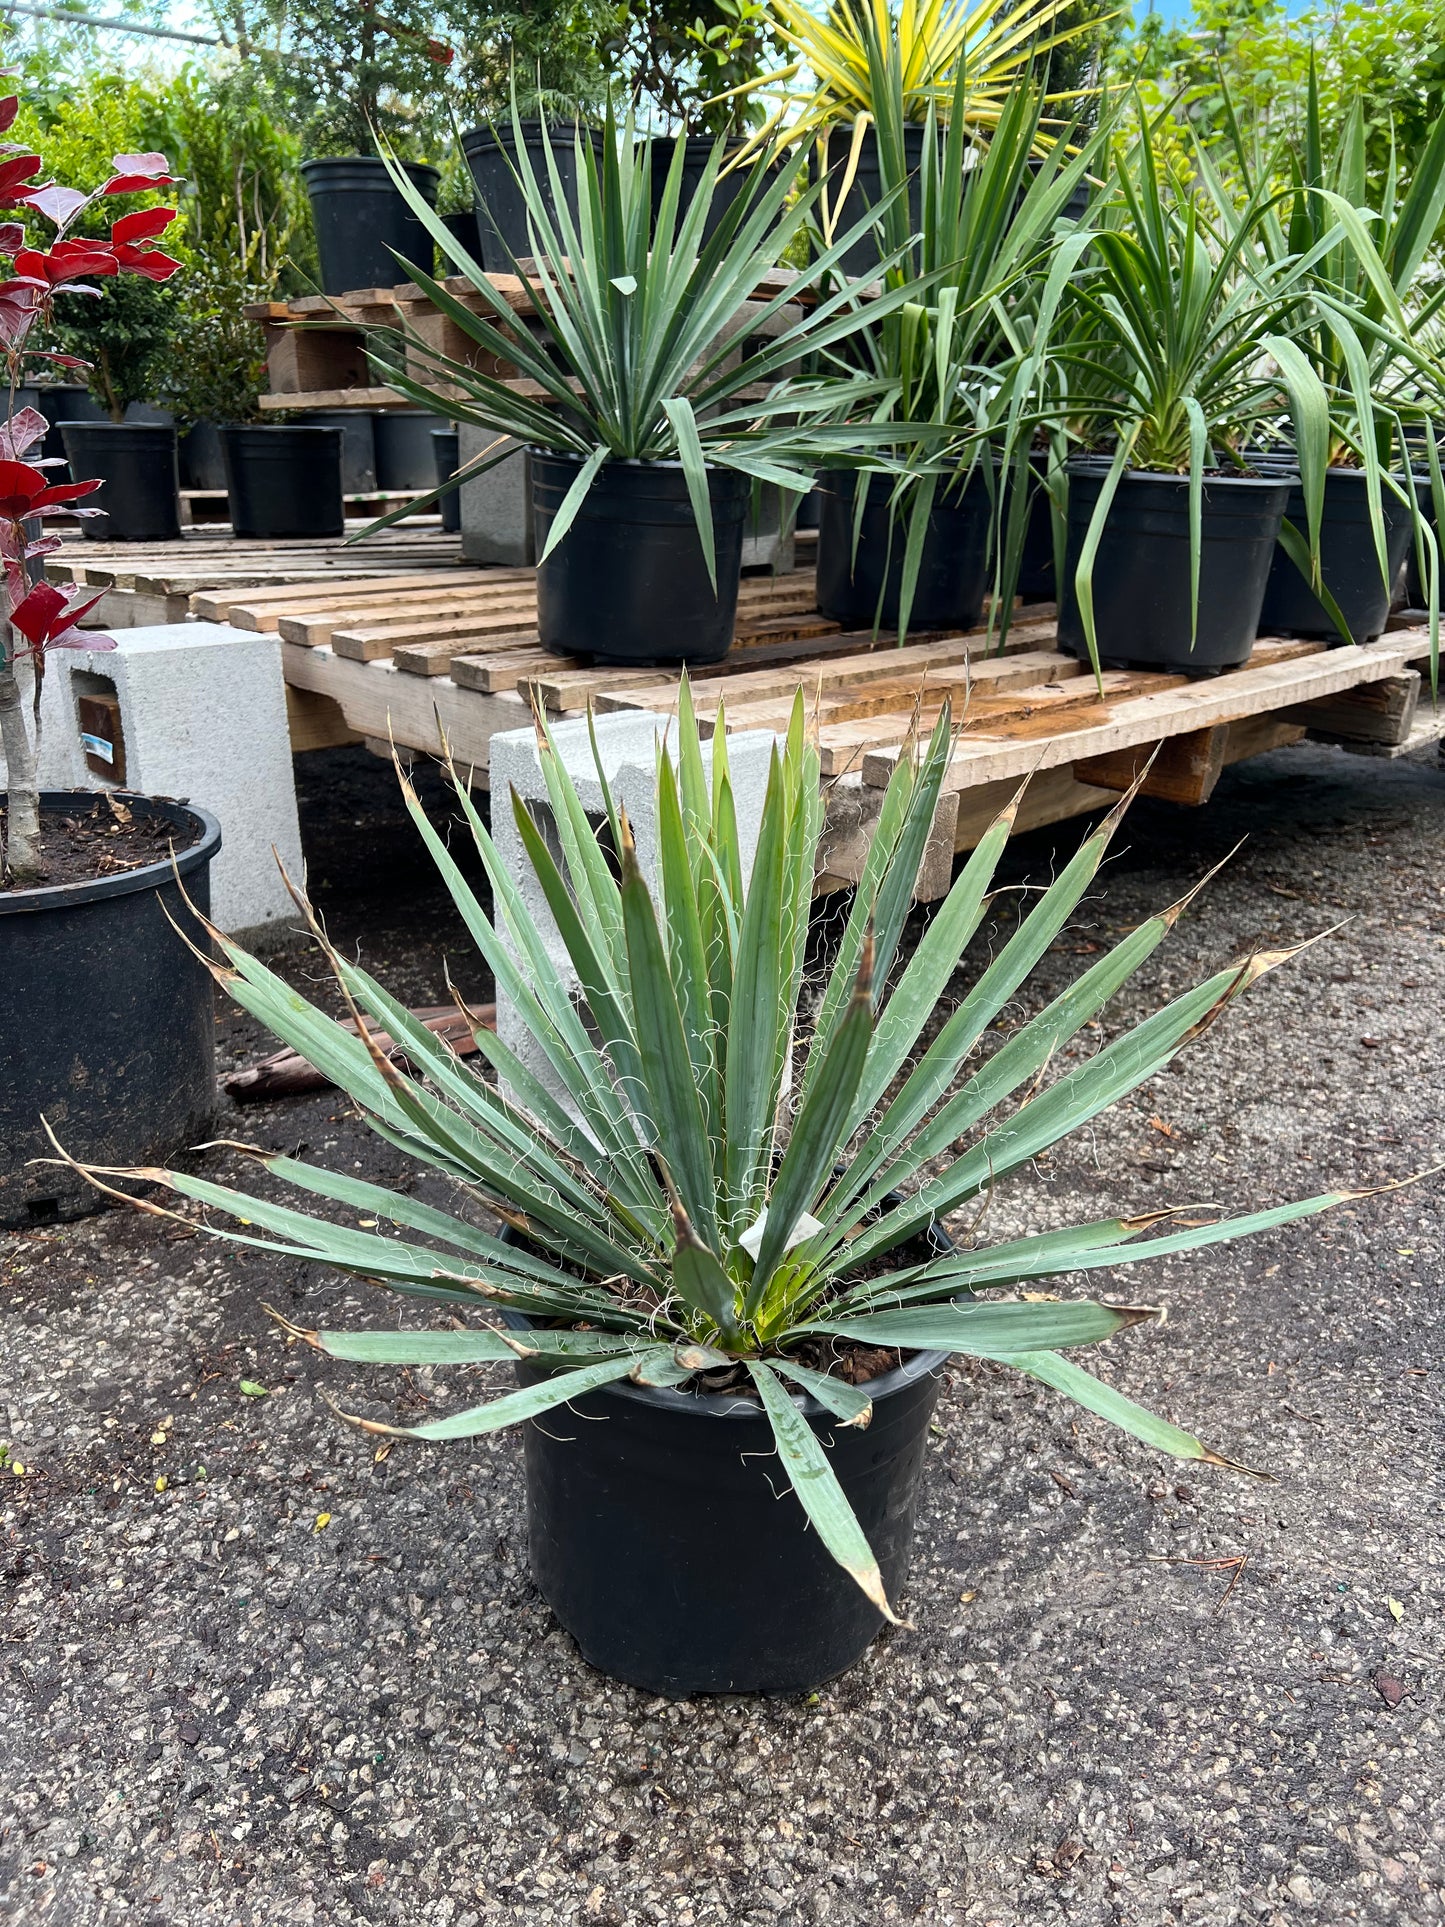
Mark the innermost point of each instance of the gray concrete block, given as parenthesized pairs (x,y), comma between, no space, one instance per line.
(203,717)
(496,509)
(627,743)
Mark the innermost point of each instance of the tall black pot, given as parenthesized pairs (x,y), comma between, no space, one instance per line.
(628,583)
(360,217)
(106,1016)
(284,480)
(358,445)
(1036,581)
(866,190)
(404,457)
(696,150)
(136,462)
(501,205)
(68,403)
(659,1539)
(446,454)
(862,587)
(463,226)
(1349,566)
(1142,609)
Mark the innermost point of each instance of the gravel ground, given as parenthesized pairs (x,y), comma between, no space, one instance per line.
(253,1672)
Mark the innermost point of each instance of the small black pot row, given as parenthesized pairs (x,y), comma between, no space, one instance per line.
(282,480)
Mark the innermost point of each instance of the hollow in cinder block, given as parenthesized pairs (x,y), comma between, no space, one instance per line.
(627,743)
(201,713)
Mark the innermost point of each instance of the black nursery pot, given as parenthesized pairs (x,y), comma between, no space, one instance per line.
(696,150)
(284,480)
(136,462)
(202,463)
(360,217)
(446,454)
(501,205)
(106,1016)
(866,190)
(659,1539)
(953,572)
(1142,574)
(628,583)
(1349,566)
(404,458)
(1036,559)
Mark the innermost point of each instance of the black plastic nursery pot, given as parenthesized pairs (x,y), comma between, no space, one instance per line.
(284,480)
(404,457)
(202,463)
(860,587)
(501,205)
(66,403)
(628,583)
(1036,559)
(446,455)
(866,190)
(358,445)
(360,217)
(696,151)
(106,1016)
(463,227)
(1142,611)
(136,462)
(1349,565)
(664,1542)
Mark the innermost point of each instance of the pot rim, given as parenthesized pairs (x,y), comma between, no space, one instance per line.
(1094,465)
(147,876)
(370,160)
(630,461)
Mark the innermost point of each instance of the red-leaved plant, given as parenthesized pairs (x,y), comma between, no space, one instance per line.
(38,616)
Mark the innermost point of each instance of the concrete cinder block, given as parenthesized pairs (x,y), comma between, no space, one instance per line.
(496,509)
(203,717)
(627,743)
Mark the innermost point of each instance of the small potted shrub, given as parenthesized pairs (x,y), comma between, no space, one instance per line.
(660,399)
(124,335)
(221,375)
(748,1286)
(372,75)
(88,882)
(1167,376)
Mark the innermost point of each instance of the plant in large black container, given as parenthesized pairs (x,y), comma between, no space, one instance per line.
(722,1269)
(663,362)
(85,881)
(1366,311)
(917,547)
(1174,352)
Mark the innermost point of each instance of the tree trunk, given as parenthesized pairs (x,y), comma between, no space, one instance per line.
(21,855)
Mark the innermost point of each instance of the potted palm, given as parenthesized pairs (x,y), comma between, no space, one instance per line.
(1367,308)
(85,879)
(727,1274)
(1166,380)
(654,388)
(918,547)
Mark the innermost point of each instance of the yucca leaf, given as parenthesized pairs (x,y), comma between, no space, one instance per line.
(816,1485)
(987,1330)
(850,1403)
(1086,1390)
(513,1407)
(699,1278)
(478,1346)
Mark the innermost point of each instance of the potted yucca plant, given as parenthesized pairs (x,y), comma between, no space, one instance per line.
(657,388)
(1368,304)
(916,546)
(742,1272)
(86,882)
(1177,356)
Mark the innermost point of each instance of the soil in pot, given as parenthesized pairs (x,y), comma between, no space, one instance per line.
(284,480)
(1142,607)
(501,207)
(360,218)
(446,456)
(861,587)
(136,462)
(1349,565)
(628,583)
(106,1014)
